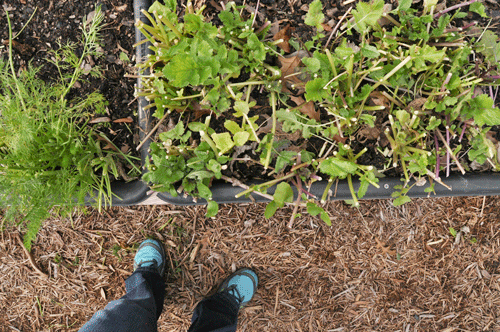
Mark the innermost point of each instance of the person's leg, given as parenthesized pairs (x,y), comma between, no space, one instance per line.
(219,312)
(140,308)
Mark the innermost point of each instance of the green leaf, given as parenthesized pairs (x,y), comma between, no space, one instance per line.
(401,200)
(270,209)
(312,64)
(223,142)
(489,47)
(367,14)
(212,209)
(182,71)
(192,23)
(403,117)
(240,138)
(197,126)
(370,51)
(314,210)
(232,126)
(453,232)
(404,5)
(483,111)
(337,168)
(241,107)
(315,16)
(215,167)
(283,193)
(124,57)
(478,8)
(284,158)
(315,91)
(203,191)
(169,7)
(326,218)
(433,123)
(174,133)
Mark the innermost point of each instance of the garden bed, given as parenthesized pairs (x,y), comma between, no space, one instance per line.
(44,27)
(454,184)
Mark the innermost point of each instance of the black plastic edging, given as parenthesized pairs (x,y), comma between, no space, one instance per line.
(134,192)
(482,184)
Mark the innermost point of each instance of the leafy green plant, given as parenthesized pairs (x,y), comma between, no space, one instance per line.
(405,76)
(50,155)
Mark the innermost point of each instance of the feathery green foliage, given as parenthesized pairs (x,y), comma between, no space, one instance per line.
(49,154)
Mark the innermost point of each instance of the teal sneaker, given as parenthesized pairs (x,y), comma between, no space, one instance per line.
(151,254)
(242,284)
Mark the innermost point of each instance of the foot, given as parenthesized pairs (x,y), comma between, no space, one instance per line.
(151,254)
(242,285)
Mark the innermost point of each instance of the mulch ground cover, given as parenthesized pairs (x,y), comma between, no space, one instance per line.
(378,268)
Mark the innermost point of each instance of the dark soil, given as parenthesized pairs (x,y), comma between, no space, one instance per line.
(59,22)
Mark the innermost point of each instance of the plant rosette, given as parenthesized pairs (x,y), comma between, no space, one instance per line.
(396,86)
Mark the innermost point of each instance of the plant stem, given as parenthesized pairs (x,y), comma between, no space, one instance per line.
(296,204)
(438,159)
(451,152)
(437,179)
(392,72)
(351,188)
(165,21)
(462,133)
(337,26)
(210,142)
(266,184)
(331,60)
(273,131)
(448,152)
(327,189)
(11,62)
(463,4)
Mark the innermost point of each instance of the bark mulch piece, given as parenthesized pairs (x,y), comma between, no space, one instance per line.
(377,268)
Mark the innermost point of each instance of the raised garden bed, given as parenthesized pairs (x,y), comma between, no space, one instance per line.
(456,184)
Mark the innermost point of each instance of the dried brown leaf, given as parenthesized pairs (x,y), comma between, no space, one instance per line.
(23,49)
(327,27)
(306,108)
(285,35)
(100,120)
(377,98)
(368,132)
(125,148)
(126,120)
(121,8)
(416,104)
(290,73)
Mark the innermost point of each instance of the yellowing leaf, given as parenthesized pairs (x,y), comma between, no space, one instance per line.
(240,138)
(223,142)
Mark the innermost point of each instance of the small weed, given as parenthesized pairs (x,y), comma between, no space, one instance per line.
(116,249)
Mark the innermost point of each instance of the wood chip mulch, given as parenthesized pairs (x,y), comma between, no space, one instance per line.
(378,268)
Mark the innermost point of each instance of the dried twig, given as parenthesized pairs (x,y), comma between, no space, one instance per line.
(337,26)
(238,183)
(30,257)
(463,4)
(451,152)
(152,131)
